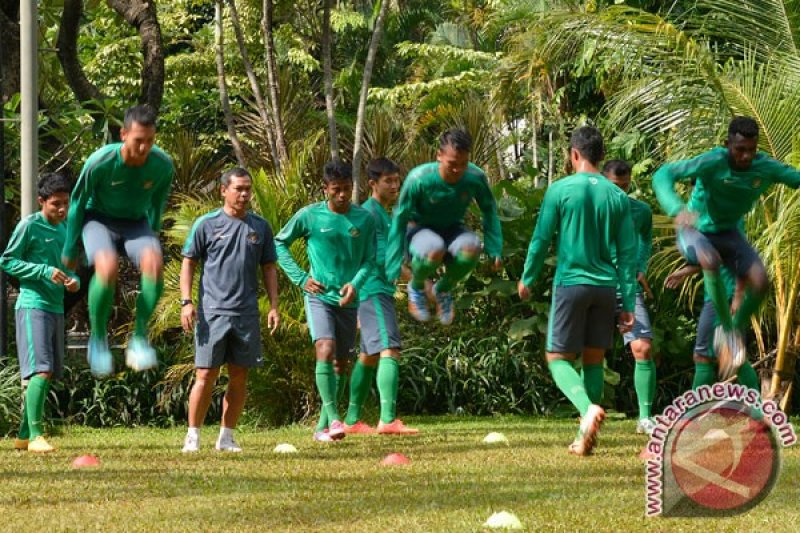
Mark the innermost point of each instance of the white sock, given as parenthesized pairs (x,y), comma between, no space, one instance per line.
(225,433)
(193,433)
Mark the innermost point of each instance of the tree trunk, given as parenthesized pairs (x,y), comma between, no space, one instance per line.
(272,80)
(9,41)
(141,14)
(219,41)
(377,33)
(251,75)
(327,76)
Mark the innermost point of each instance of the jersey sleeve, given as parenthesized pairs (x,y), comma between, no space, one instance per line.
(395,243)
(14,260)
(492,232)
(645,248)
(368,259)
(77,208)
(783,173)
(195,246)
(296,228)
(268,253)
(380,235)
(665,178)
(160,197)
(626,258)
(546,226)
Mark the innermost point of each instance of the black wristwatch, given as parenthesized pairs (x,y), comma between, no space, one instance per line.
(185,302)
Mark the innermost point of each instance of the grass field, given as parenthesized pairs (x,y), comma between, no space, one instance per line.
(454,482)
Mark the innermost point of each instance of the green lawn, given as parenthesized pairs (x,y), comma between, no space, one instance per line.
(453,484)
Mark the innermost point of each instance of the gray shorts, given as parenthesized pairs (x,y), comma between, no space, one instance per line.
(40,342)
(581,316)
(642,328)
(378,319)
(234,339)
(735,252)
(332,322)
(124,237)
(424,241)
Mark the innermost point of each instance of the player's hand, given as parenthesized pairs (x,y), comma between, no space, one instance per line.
(273,320)
(523,291)
(685,219)
(497,264)
(640,277)
(348,293)
(676,279)
(72,285)
(625,322)
(313,286)
(71,264)
(59,277)
(188,316)
(405,273)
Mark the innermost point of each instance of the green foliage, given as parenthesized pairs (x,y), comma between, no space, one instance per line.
(10,395)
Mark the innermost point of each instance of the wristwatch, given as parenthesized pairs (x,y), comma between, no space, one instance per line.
(185,302)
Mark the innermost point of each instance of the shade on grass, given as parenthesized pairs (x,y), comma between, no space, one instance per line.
(454,482)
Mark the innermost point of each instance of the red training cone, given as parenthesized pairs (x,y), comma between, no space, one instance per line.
(84,461)
(395,459)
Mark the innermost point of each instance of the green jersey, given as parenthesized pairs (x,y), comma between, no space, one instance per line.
(642,218)
(722,196)
(340,247)
(31,255)
(592,218)
(377,282)
(427,200)
(109,187)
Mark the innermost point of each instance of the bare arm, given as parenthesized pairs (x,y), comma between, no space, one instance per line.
(188,314)
(270,273)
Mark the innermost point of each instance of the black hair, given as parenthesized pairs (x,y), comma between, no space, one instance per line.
(142,114)
(617,167)
(459,139)
(589,143)
(52,183)
(337,171)
(744,126)
(235,172)
(381,166)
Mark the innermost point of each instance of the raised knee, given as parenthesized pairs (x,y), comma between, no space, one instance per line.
(106,266)
(151,263)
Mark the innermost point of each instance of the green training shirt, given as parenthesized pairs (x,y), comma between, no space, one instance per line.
(721,195)
(377,282)
(33,251)
(592,218)
(642,218)
(340,247)
(109,187)
(429,201)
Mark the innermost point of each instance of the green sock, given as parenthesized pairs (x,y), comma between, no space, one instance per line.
(24,429)
(594,382)
(326,384)
(323,413)
(388,381)
(421,270)
(101,298)
(35,397)
(704,374)
(716,290)
(750,304)
(458,269)
(747,376)
(360,383)
(644,381)
(569,382)
(146,302)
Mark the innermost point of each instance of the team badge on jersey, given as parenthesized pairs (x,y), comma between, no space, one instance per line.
(354,232)
(148,184)
(252,237)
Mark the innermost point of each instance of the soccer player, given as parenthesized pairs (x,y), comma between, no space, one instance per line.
(380,335)
(705,361)
(235,245)
(117,205)
(591,217)
(33,257)
(340,243)
(435,198)
(729,181)
(639,339)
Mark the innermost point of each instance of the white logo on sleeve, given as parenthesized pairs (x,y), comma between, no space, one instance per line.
(115,183)
(325,230)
